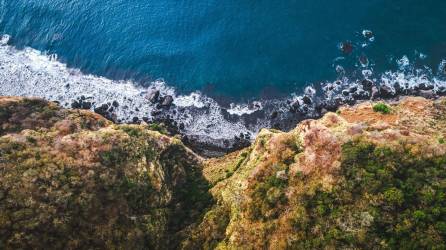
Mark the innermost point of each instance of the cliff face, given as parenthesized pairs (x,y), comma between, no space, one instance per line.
(368,176)
(71,179)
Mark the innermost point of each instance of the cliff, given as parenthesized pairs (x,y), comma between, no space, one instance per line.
(367,176)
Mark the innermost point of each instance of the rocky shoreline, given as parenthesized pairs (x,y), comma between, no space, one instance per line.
(283,117)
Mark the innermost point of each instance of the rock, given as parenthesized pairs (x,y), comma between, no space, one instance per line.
(346,47)
(135,120)
(156,112)
(274,115)
(386,91)
(375,93)
(294,107)
(167,101)
(441,90)
(367,34)
(307,100)
(154,96)
(352,89)
(367,85)
(345,92)
(429,94)
(115,104)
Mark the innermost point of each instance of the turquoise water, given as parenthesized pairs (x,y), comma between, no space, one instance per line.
(241,50)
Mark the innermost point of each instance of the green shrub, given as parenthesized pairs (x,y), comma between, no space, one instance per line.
(381,108)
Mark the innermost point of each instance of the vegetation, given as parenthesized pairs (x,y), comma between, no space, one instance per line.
(79,181)
(381,108)
(73,185)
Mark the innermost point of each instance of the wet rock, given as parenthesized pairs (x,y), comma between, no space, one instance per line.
(345,92)
(346,47)
(135,120)
(441,90)
(353,89)
(428,94)
(294,107)
(81,103)
(367,85)
(167,101)
(104,111)
(307,100)
(398,88)
(153,97)
(375,93)
(274,115)
(424,87)
(367,34)
(361,95)
(386,91)
(115,104)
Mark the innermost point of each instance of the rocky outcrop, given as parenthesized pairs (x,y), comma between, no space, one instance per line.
(371,176)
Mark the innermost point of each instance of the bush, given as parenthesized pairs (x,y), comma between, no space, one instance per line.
(381,108)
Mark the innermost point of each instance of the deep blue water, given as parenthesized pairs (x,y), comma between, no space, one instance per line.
(242,49)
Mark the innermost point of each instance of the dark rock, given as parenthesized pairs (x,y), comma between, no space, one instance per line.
(274,115)
(346,47)
(307,100)
(75,105)
(145,119)
(386,91)
(367,34)
(345,92)
(156,112)
(398,88)
(104,111)
(353,89)
(115,104)
(86,105)
(276,126)
(135,120)
(428,94)
(361,95)
(441,91)
(294,107)
(367,85)
(154,96)
(424,87)
(181,126)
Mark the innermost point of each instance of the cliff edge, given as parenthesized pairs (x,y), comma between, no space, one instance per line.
(368,176)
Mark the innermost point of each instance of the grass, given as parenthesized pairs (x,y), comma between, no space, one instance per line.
(381,108)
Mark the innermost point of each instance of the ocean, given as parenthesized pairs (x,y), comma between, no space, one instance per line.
(232,67)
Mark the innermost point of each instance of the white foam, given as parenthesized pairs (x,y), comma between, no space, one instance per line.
(29,72)
(242,109)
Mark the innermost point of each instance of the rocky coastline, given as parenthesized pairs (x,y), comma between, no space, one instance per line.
(367,176)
